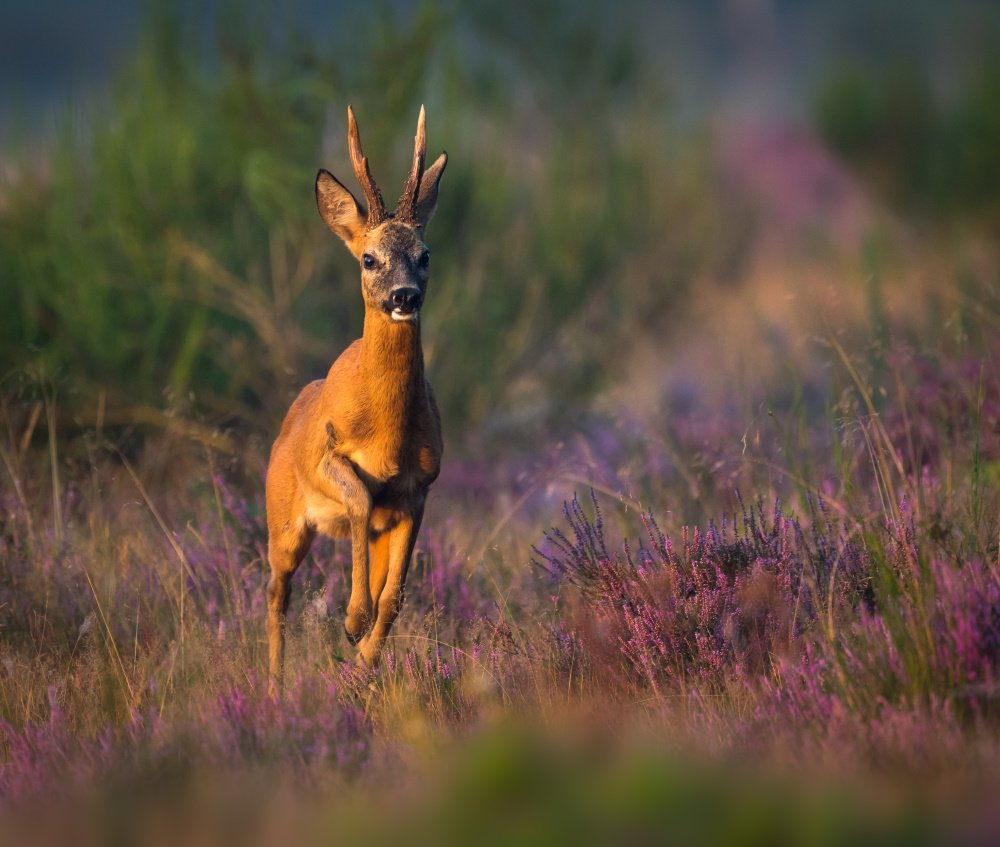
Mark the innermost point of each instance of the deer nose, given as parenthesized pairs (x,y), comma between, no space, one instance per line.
(405,299)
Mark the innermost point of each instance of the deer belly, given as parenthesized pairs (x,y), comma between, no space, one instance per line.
(327,516)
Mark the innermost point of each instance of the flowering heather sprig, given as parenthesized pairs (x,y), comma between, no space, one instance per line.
(722,603)
(952,403)
(838,560)
(968,636)
(49,759)
(806,711)
(225,551)
(565,646)
(584,560)
(247,514)
(317,726)
(439,577)
(894,684)
(433,677)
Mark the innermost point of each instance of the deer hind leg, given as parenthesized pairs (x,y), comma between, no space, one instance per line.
(285,553)
(401,539)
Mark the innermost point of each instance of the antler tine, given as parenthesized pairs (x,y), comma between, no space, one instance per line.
(408,202)
(376,205)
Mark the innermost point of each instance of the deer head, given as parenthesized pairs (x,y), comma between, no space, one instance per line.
(389,245)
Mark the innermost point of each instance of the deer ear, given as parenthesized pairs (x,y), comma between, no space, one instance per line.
(339,210)
(428,197)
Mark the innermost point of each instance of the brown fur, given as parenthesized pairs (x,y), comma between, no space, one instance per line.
(358,450)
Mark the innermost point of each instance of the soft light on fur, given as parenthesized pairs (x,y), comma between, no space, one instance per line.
(358,450)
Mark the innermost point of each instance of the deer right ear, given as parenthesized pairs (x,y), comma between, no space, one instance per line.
(340,211)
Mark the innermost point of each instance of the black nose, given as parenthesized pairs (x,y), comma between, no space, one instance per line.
(405,299)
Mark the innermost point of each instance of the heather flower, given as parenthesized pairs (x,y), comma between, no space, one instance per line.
(723,601)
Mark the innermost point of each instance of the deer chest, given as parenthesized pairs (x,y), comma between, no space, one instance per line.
(390,477)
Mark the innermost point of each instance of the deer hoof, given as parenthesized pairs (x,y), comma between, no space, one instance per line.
(353,639)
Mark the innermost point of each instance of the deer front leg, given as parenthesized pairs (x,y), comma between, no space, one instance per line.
(358,502)
(401,539)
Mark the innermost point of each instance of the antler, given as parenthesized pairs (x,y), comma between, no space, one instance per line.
(408,202)
(376,205)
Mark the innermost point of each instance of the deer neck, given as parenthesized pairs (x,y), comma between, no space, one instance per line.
(392,370)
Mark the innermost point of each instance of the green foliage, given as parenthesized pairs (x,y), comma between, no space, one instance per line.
(170,254)
(140,264)
(534,790)
(917,147)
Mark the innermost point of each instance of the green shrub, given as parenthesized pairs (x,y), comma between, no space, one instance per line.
(170,255)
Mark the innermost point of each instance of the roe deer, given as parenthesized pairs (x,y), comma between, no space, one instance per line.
(358,450)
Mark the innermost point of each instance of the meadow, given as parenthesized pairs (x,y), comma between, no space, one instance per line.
(715,550)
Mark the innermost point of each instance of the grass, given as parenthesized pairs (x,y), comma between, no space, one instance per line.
(856,633)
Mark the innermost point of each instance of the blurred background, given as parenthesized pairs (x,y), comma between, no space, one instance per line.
(646,206)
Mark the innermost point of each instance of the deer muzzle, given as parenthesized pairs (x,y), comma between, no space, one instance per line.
(404,303)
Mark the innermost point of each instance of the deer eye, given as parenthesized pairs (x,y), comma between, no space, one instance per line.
(424,260)
(368,260)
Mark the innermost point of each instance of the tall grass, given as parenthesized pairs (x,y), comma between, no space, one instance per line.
(839,633)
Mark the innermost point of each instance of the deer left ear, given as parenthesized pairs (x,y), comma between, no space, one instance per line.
(428,197)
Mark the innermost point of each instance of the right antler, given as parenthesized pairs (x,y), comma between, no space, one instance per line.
(408,202)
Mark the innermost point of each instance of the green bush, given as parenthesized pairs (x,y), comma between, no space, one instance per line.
(923,151)
(170,256)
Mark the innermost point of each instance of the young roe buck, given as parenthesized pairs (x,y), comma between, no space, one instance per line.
(358,450)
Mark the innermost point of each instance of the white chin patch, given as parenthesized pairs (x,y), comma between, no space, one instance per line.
(400,316)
